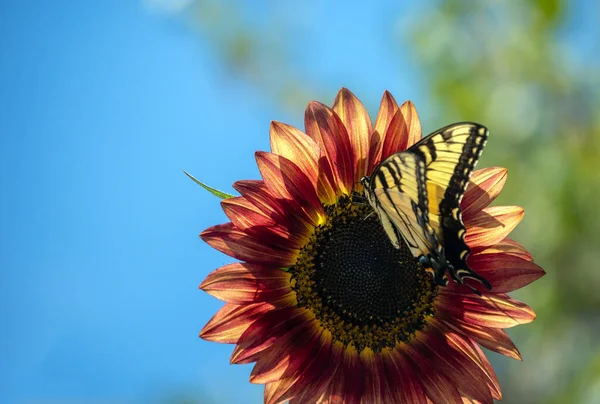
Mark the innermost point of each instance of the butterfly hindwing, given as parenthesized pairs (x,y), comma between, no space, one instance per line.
(417,195)
(451,154)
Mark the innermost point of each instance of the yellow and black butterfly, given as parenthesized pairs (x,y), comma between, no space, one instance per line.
(417,195)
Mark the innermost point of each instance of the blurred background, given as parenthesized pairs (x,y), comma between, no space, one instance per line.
(103,103)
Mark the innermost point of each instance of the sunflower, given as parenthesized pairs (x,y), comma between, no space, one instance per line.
(326,307)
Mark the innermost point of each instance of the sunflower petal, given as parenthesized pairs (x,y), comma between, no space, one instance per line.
(284,212)
(403,385)
(494,339)
(493,310)
(315,372)
(254,222)
(296,146)
(413,123)
(508,246)
(438,387)
(230,240)
(387,109)
(505,272)
(373,376)
(475,357)
(284,179)
(230,322)
(242,283)
(354,382)
(396,136)
(466,376)
(485,185)
(358,124)
(492,224)
(325,127)
(268,330)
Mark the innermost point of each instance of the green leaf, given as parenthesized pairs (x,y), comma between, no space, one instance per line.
(215,192)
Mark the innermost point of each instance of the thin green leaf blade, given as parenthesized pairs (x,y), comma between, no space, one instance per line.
(215,192)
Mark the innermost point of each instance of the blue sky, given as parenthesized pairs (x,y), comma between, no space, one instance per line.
(101,106)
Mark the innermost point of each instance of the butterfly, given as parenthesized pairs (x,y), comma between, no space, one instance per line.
(417,195)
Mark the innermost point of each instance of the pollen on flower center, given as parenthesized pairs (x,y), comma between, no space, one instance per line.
(363,290)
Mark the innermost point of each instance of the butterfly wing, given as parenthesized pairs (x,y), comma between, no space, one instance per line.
(450,155)
(397,192)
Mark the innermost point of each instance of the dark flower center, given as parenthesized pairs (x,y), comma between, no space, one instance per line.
(361,288)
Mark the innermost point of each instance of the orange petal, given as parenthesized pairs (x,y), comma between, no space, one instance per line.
(284,179)
(326,128)
(358,124)
(493,310)
(396,137)
(508,246)
(494,339)
(237,244)
(296,146)
(230,322)
(242,283)
(505,272)
(485,185)
(492,224)
(413,123)
(387,109)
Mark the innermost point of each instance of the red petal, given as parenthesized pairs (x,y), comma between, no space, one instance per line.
(396,136)
(325,127)
(438,387)
(252,221)
(413,123)
(313,372)
(358,124)
(282,211)
(230,322)
(508,246)
(296,146)
(285,180)
(266,331)
(466,376)
(276,362)
(354,382)
(235,243)
(473,355)
(493,310)
(494,339)
(387,109)
(242,283)
(373,375)
(403,385)
(484,187)
(505,272)
(490,225)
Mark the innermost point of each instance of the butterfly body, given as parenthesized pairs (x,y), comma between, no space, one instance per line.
(417,195)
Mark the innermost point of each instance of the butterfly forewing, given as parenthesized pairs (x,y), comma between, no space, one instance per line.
(397,191)
(417,194)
